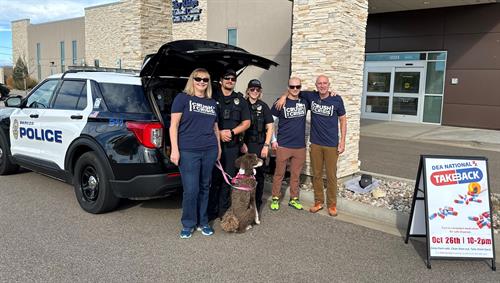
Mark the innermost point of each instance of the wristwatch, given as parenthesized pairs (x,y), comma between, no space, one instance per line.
(266,144)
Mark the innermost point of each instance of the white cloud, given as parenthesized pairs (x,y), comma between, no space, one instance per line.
(43,11)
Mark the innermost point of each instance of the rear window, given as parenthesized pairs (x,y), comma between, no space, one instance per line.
(125,98)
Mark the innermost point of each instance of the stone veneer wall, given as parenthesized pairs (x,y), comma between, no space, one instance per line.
(329,38)
(192,30)
(20,42)
(127,30)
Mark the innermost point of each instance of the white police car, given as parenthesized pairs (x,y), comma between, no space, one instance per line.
(105,132)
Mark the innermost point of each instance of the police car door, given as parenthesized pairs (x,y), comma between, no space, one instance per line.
(65,119)
(25,126)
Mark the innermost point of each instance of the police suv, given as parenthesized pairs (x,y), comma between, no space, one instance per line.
(106,132)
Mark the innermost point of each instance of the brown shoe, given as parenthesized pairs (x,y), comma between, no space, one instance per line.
(332,211)
(317,207)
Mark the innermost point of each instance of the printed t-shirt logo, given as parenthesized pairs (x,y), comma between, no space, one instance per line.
(201,108)
(293,112)
(324,110)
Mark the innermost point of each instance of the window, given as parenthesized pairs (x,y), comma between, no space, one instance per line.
(69,94)
(40,98)
(38,65)
(232,36)
(62,56)
(125,98)
(75,54)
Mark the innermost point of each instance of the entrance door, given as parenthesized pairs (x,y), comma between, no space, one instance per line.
(407,94)
(377,93)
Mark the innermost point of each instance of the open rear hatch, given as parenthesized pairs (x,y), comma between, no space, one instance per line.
(164,73)
(180,58)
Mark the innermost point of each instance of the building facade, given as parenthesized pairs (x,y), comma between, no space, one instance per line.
(430,62)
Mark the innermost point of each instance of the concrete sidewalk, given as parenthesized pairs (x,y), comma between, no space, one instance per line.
(454,136)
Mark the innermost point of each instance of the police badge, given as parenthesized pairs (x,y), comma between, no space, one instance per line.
(259,107)
(236,101)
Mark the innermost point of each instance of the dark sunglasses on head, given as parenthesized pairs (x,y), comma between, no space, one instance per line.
(254,89)
(198,79)
(233,79)
(294,86)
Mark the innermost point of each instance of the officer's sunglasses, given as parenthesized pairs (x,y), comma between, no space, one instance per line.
(198,79)
(294,86)
(255,89)
(233,79)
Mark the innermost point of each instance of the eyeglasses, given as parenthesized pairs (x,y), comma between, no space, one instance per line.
(198,79)
(294,86)
(233,79)
(255,89)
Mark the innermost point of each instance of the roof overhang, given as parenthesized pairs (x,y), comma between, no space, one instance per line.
(385,6)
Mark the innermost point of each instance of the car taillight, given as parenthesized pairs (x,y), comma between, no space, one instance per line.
(149,135)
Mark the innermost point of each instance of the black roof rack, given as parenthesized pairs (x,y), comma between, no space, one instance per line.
(78,69)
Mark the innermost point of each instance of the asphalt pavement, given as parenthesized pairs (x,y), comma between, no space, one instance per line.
(394,148)
(46,237)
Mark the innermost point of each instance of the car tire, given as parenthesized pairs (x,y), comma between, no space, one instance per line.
(91,182)
(6,165)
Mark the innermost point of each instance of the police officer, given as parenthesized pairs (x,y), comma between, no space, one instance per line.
(258,137)
(233,120)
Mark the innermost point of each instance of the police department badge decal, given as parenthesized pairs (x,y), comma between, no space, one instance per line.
(15,129)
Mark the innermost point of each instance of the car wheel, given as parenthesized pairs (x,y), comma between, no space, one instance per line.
(92,188)
(6,165)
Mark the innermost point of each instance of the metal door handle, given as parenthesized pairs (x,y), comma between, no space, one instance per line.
(33,115)
(76,117)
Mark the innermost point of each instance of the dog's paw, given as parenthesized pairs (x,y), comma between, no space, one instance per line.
(257,221)
(248,227)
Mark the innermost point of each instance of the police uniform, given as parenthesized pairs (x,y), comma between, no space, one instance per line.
(232,110)
(255,138)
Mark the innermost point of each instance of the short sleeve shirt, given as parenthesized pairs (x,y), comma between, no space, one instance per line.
(324,118)
(292,123)
(233,109)
(196,128)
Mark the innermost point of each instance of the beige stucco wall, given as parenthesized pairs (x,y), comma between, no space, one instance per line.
(50,35)
(263,28)
(329,38)
(194,29)
(126,31)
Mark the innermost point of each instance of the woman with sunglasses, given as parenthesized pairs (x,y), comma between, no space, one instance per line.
(258,137)
(194,137)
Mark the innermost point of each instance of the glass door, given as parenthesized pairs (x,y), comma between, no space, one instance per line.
(407,94)
(376,93)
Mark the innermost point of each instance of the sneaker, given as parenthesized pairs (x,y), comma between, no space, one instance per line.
(332,211)
(207,230)
(295,203)
(317,207)
(186,233)
(275,203)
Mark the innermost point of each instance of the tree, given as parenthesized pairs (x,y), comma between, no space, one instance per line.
(21,77)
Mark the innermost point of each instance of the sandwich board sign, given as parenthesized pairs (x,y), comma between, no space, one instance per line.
(451,207)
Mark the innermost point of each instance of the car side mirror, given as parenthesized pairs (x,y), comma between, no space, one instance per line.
(13,101)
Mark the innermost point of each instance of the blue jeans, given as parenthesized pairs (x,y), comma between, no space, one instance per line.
(196,172)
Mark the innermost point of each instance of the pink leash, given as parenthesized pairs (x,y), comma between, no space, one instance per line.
(226,175)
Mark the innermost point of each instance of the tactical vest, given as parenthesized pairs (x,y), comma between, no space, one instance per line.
(257,131)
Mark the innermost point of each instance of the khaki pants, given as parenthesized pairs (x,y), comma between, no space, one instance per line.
(321,156)
(297,157)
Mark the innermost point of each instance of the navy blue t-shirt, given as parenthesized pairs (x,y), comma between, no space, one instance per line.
(196,128)
(324,117)
(292,123)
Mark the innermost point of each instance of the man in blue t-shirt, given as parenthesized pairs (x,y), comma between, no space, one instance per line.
(326,112)
(290,144)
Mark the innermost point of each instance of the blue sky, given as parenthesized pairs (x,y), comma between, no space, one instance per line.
(38,11)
